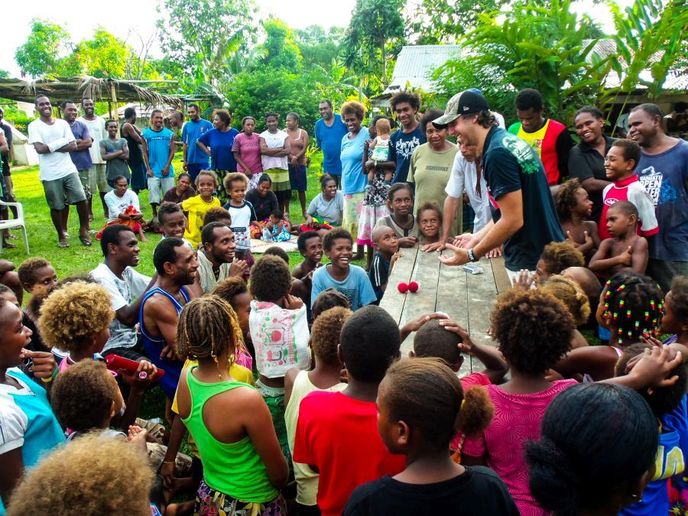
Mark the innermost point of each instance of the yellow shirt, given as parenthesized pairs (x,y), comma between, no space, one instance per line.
(196,208)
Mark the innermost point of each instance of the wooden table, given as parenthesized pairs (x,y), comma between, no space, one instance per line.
(466,298)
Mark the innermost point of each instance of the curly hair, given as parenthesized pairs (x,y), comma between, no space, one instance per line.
(565,198)
(529,98)
(571,294)
(217,214)
(679,298)
(73,314)
(533,329)
(223,115)
(404,96)
(27,270)
(202,329)
(633,305)
(427,395)
(232,178)
(209,173)
(561,255)
(229,288)
(329,298)
(270,279)
(355,108)
(97,465)
(83,413)
(325,334)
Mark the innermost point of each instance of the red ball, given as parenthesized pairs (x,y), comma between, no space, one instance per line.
(403,287)
(413,287)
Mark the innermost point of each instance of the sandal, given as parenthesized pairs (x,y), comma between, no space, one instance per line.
(86,241)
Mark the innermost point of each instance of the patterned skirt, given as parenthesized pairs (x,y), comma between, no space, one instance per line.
(210,502)
(353,204)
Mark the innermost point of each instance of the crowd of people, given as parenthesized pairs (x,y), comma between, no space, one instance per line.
(290,384)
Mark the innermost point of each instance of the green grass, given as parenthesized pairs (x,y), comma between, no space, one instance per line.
(78,259)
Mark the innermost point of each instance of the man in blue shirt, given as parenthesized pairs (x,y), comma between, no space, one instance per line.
(663,172)
(404,141)
(81,157)
(329,131)
(157,156)
(195,159)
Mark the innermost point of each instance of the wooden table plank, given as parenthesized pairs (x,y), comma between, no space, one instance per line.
(426,273)
(500,276)
(481,295)
(393,301)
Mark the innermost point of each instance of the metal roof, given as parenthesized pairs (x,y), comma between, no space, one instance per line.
(415,63)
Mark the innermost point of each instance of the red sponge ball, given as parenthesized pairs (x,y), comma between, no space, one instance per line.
(413,287)
(403,287)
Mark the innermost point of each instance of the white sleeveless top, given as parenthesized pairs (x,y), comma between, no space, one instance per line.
(306,478)
(274,141)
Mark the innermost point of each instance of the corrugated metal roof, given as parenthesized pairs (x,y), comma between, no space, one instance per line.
(415,63)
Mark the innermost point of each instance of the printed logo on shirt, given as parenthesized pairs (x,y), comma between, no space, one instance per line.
(660,191)
(405,148)
(524,153)
(668,462)
(610,201)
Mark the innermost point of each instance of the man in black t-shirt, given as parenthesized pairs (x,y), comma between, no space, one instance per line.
(524,218)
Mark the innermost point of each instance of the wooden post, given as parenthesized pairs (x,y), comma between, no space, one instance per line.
(113,98)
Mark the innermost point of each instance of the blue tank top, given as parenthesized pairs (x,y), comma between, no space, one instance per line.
(153,345)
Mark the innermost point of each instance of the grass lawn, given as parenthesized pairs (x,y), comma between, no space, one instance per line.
(78,259)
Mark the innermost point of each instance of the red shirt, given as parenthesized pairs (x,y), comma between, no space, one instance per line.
(338,434)
(631,190)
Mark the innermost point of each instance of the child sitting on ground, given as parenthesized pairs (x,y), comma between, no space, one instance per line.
(624,249)
(340,274)
(279,330)
(217,214)
(337,430)
(619,166)
(421,405)
(242,214)
(380,150)
(197,206)
(574,207)
(533,330)
(277,228)
(400,218)
(671,410)
(325,376)
(429,217)
(386,253)
(123,208)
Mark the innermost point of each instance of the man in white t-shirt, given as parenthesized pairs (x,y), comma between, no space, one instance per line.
(53,140)
(96,128)
(126,286)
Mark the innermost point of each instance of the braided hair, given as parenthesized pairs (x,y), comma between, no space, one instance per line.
(203,332)
(633,306)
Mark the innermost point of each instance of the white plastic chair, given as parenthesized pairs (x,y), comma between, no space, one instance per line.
(15,223)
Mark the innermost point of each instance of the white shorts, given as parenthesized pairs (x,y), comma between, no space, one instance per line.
(157,186)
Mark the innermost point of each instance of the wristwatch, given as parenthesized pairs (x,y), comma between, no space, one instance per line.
(471,256)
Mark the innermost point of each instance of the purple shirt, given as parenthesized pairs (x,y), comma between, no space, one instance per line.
(81,159)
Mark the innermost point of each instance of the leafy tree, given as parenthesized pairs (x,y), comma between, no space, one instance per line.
(202,35)
(444,21)
(4,74)
(104,55)
(280,49)
(374,38)
(318,46)
(649,34)
(547,48)
(46,45)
